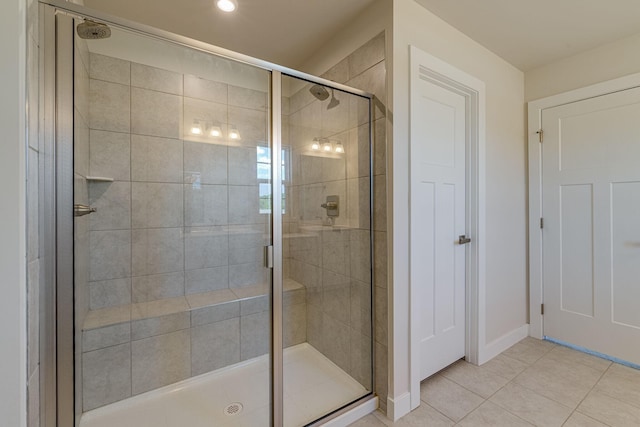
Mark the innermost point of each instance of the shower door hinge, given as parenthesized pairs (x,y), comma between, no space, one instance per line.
(541,223)
(268,256)
(542,309)
(540,135)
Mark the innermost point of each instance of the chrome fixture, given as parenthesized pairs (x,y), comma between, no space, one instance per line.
(82,210)
(334,101)
(332,206)
(320,92)
(90,30)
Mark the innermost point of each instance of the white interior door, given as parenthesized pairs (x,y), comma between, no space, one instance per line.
(438,264)
(591,235)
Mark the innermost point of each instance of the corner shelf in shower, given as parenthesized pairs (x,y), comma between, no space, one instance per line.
(99,179)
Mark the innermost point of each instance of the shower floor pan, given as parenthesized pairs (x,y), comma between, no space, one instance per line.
(238,396)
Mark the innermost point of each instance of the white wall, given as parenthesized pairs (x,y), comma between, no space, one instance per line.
(506,295)
(12,213)
(607,62)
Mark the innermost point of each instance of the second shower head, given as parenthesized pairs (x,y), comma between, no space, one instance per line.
(321,93)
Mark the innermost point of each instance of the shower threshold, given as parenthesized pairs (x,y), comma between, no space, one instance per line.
(313,386)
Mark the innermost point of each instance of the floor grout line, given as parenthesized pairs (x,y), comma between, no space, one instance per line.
(568,365)
(510,381)
(589,392)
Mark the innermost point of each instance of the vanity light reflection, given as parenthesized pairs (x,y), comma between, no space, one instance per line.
(327,145)
(200,127)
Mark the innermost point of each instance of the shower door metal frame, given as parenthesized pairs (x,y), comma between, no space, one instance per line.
(58,41)
(58,356)
(277,307)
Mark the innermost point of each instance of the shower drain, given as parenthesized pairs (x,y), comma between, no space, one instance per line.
(233,409)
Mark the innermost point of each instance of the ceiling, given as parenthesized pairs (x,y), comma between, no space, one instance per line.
(285,32)
(525,33)
(529,34)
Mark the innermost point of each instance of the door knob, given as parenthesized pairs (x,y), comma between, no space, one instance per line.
(463,240)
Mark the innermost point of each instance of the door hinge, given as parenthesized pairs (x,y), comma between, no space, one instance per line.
(542,309)
(540,135)
(541,223)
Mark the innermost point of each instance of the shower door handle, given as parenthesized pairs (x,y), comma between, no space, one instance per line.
(268,256)
(82,210)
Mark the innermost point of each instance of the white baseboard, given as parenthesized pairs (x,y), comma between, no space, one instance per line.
(353,415)
(496,347)
(398,407)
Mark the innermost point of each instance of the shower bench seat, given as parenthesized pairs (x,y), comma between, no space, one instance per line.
(116,325)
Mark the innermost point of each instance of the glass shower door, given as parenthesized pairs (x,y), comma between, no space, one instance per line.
(172,295)
(326,222)
(178,191)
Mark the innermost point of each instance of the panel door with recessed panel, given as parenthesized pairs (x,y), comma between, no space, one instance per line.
(438,219)
(591,235)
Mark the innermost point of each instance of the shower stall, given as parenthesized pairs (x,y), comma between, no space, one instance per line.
(213,219)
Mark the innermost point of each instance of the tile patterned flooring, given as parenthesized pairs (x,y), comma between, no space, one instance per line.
(533,383)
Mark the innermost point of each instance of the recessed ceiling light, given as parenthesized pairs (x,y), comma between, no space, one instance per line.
(226,5)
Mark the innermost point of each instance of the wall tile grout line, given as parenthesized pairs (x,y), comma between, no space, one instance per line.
(326,252)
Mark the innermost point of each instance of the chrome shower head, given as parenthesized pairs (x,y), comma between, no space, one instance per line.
(90,30)
(334,101)
(320,92)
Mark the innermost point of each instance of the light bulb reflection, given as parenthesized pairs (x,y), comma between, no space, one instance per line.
(196,129)
(215,131)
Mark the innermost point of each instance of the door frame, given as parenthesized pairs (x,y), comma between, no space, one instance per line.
(473,89)
(535,109)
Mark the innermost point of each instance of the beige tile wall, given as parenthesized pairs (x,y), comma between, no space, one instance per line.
(333,263)
(172,195)
(365,69)
(82,225)
(180,220)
